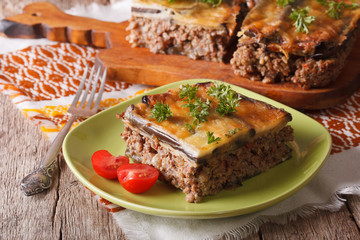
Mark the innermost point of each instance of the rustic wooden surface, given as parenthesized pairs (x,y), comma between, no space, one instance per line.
(139,65)
(68,210)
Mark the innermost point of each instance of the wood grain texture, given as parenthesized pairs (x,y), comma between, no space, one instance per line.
(354,207)
(138,65)
(66,211)
(321,225)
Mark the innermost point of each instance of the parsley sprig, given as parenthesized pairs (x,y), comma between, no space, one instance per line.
(283,3)
(188,91)
(198,108)
(212,138)
(161,111)
(232,132)
(228,98)
(335,8)
(301,19)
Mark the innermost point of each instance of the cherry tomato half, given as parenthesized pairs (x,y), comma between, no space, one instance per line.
(106,165)
(137,177)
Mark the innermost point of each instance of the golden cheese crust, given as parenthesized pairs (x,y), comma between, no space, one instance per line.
(252,119)
(268,22)
(189,12)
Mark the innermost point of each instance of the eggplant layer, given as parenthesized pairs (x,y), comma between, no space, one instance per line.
(252,119)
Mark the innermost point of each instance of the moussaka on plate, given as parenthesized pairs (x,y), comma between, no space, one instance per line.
(204,138)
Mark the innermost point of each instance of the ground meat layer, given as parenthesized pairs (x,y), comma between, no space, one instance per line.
(222,171)
(166,37)
(252,60)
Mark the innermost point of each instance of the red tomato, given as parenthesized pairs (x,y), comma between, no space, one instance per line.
(137,177)
(105,164)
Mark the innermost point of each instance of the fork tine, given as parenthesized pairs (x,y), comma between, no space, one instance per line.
(81,86)
(91,98)
(83,99)
(101,90)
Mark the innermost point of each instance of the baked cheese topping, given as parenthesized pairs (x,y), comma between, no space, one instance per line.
(251,119)
(189,12)
(270,22)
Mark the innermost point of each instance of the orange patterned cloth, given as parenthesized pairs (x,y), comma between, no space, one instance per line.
(42,80)
(343,123)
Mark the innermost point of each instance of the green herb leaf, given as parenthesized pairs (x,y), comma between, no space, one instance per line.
(219,91)
(335,8)
(190,128)
(211,137)
(353,6)
(161,112)
(228,98)
(232,132)
(302,20)
(199,110)
(188,92)
(323,2)
(283,3)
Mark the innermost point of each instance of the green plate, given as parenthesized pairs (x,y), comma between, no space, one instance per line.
(103,130)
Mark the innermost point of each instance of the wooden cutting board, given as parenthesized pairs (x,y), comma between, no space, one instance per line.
(138,65)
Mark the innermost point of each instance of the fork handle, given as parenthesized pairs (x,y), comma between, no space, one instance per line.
(54,149)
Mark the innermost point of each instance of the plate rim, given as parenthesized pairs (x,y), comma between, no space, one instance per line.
(196,214)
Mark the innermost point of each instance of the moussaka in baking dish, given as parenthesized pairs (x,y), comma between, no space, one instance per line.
(185,27)
(305,42)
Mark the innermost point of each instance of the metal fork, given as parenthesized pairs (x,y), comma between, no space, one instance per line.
(40,179)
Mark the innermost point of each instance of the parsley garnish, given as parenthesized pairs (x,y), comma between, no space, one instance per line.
(228,98)
(198,109)
(336,8)
(188,92)
(283,3)
(353,6)
(302,20)
(232,132)
(211,137)
(160,111)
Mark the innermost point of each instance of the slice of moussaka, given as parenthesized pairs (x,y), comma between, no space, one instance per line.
(305,42)
(196,29)
(204,138)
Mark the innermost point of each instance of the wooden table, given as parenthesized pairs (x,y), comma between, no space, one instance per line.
(69,211)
